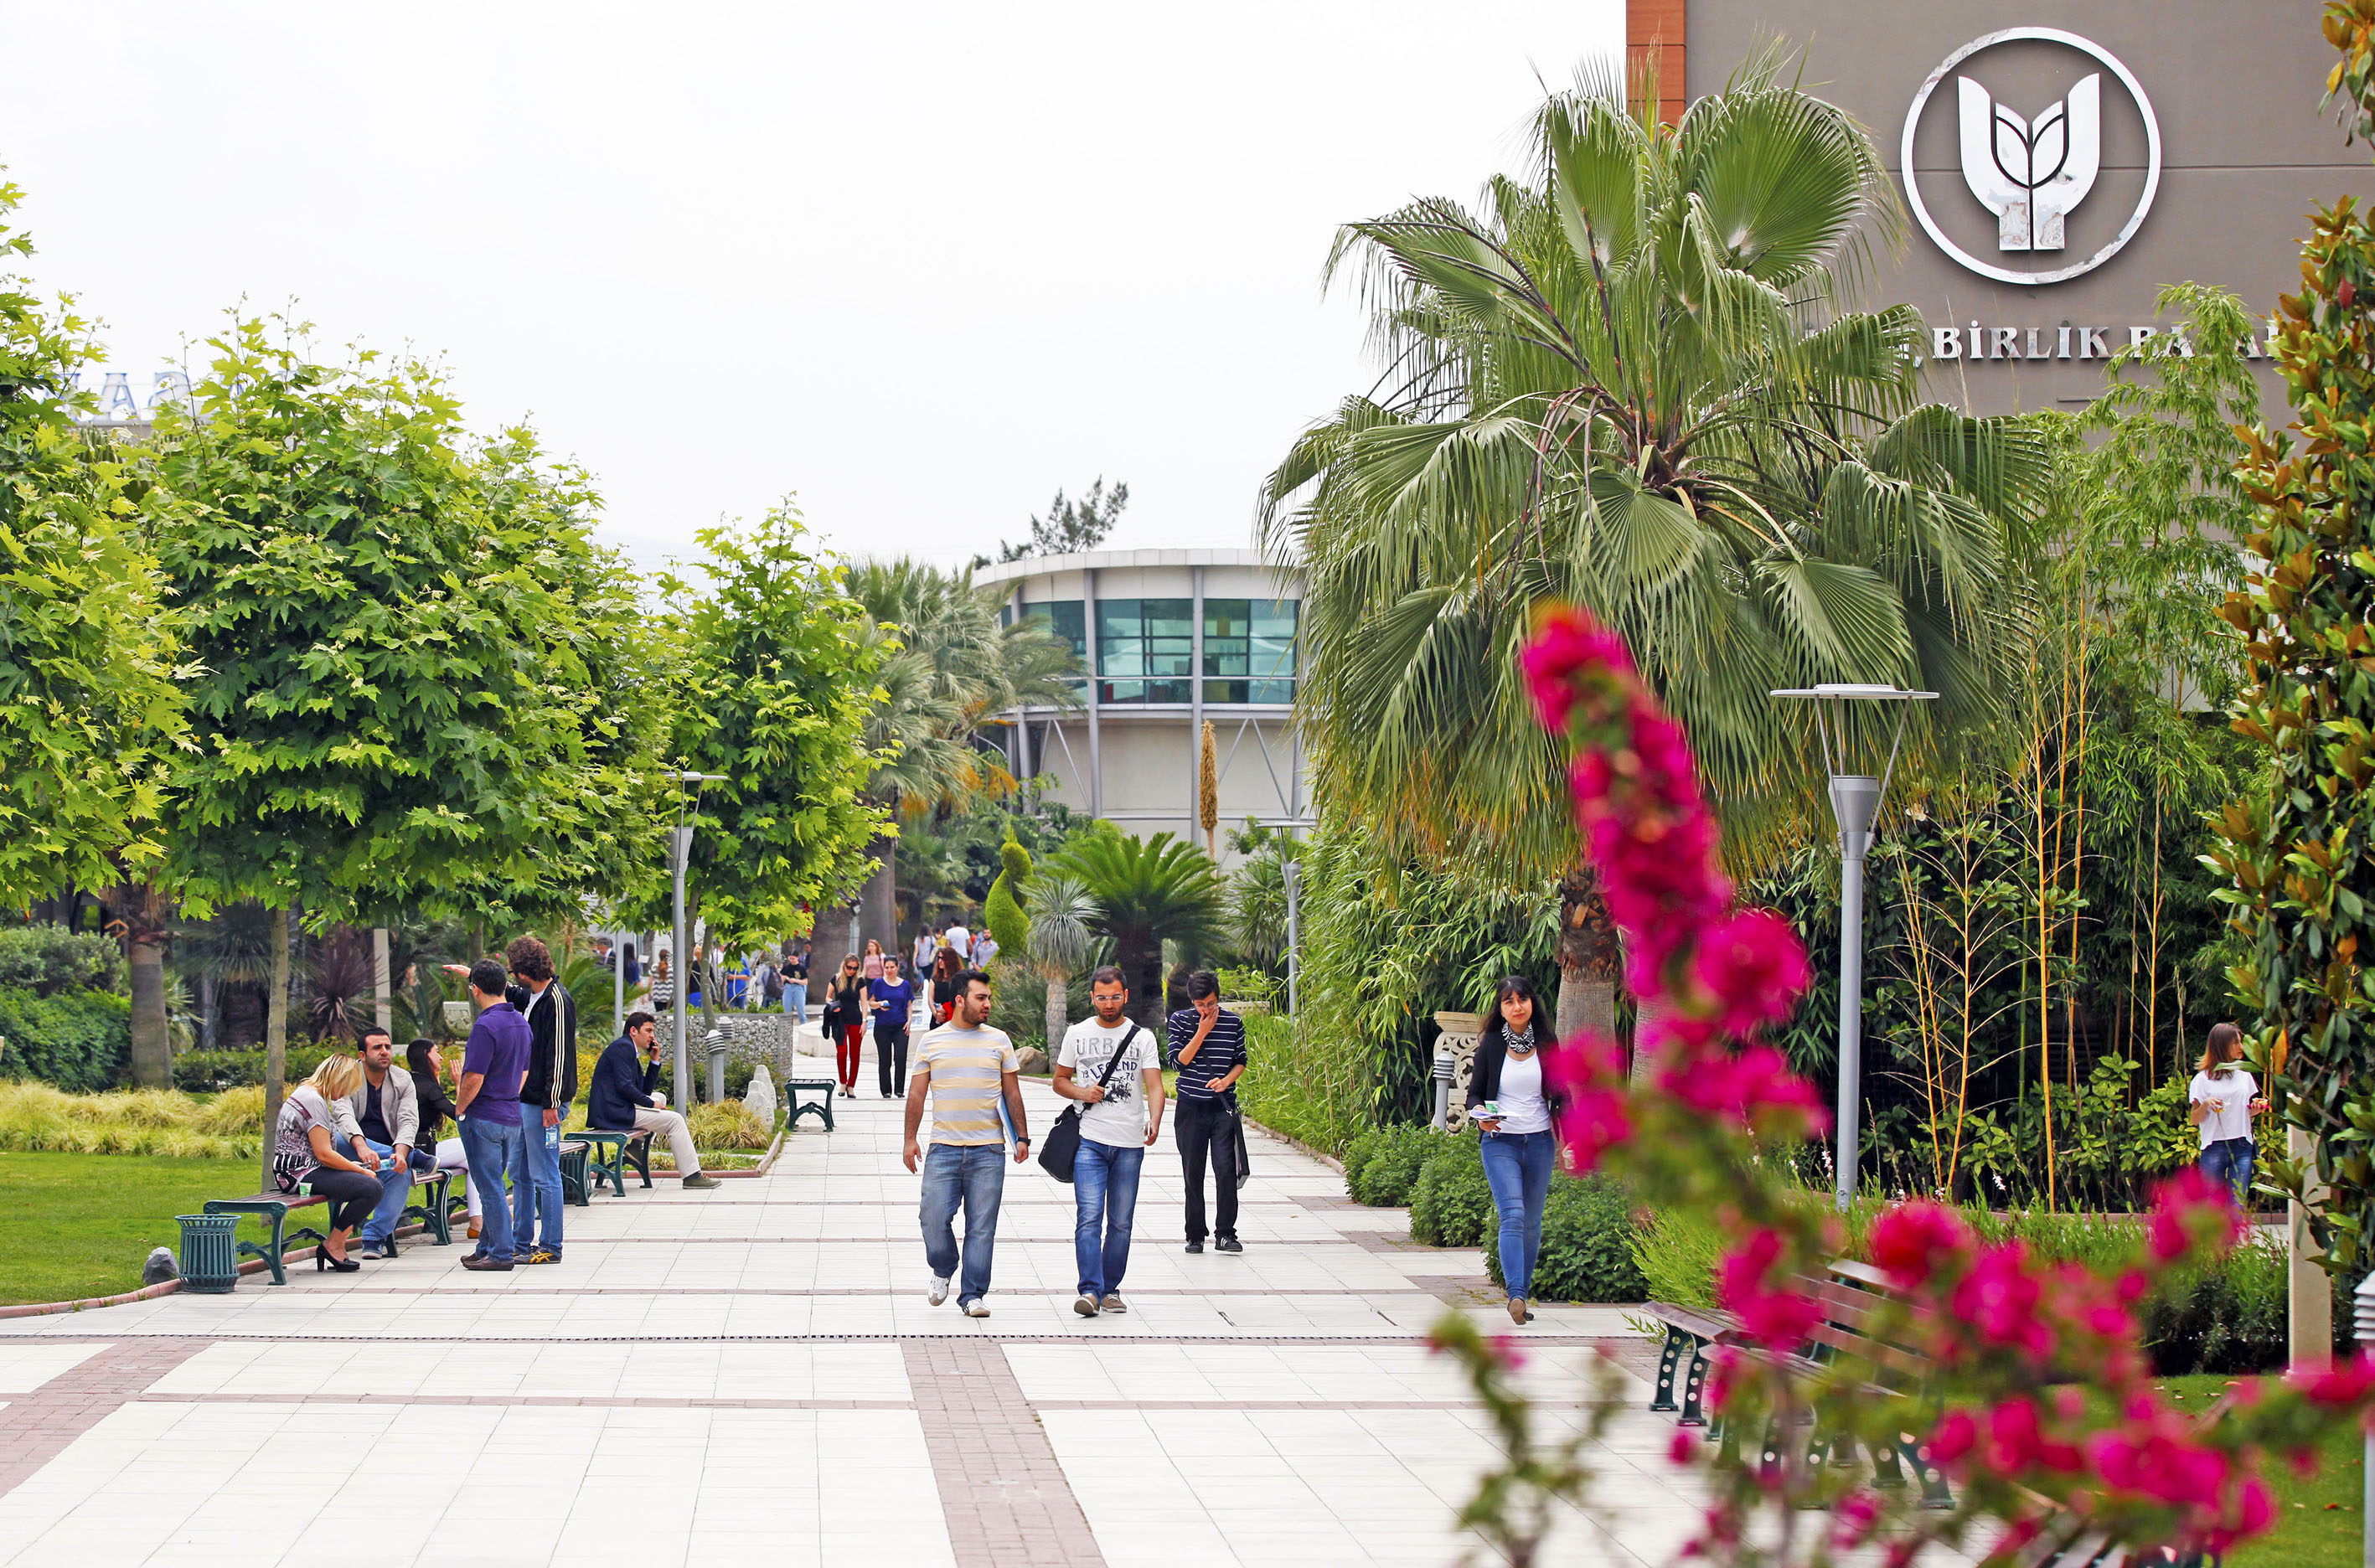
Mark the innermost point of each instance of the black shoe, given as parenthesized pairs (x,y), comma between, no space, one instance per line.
(321,1259)
(1229,1243)
(1195,1246)
(481,1262)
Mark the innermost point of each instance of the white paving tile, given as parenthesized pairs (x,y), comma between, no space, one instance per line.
(24,1368)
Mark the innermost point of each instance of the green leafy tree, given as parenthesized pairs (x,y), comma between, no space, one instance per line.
(90,709)
(2302,855)
(1625,383)
(392,705)
(1148,892)
(780,674)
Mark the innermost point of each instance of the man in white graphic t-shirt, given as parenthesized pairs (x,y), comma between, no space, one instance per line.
(1114,1069)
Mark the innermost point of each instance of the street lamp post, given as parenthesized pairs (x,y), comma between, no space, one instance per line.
(680,852)
(1292,872)
(1855,806)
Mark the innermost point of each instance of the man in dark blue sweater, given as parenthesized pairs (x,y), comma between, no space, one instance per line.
(625,1097)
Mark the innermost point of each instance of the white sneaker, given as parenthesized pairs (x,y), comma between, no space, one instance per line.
(974,1309)
(1085,1304)
(940,1290)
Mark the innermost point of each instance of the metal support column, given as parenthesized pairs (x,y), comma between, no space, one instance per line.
(1855,801)
(1196,705)
(680,970)
(1096,659)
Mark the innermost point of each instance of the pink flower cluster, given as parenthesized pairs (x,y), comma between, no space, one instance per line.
(1753,1283)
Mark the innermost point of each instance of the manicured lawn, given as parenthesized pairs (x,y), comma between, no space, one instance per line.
(77,1225)
(2308,1534)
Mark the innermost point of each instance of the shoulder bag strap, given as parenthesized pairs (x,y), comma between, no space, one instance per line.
(1115,1060)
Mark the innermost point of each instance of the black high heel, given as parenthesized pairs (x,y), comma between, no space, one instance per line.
(321,1259)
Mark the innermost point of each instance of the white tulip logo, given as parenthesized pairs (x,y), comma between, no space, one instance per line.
(2031,174)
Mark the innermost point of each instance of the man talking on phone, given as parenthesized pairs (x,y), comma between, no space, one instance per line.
(1208,1047)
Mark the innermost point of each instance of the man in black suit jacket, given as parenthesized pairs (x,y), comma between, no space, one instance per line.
(626,1097)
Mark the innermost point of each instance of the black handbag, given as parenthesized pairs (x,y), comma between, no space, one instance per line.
(1244,1161)
(1063,1140)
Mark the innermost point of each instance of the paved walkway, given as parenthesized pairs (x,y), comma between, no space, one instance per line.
(753,1374)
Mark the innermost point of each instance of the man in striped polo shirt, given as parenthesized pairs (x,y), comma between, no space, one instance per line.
(1208,1047)
(965,1067)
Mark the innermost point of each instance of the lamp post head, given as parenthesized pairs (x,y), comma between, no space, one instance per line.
(1855,795)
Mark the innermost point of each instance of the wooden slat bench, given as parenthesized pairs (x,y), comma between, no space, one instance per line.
(1852,1299)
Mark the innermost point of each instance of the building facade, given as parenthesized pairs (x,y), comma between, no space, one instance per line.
(1171,639)
(2062,162)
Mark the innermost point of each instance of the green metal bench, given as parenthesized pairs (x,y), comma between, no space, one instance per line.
(272,1208)
(821,1107)
(608,1153)
(435,1210)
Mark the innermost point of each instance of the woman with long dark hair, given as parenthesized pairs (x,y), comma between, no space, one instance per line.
(844,1020)
(1509,1101)
(946,967)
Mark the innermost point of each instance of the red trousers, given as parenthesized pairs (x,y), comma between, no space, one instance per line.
(845,1051)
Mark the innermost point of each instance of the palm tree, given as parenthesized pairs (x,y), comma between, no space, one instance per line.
(1148,892)
(1063,939)
(955,670)
(1627,384)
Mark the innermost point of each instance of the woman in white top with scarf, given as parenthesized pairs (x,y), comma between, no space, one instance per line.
(1509,1101)
(2222,1100)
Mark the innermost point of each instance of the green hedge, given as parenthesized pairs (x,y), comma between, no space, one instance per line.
(80,1041)
(204,1072)
(1313,1089)
(47,960)
(1586,1255)
(1451,1205)
(1382,1164)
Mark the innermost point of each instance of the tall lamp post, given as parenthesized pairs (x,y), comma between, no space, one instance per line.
(1855,806)
(680,851)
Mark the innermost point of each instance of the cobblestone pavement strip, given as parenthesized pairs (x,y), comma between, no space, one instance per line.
(754,1374)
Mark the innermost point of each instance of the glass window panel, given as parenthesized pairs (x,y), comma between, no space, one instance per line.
(1141,638)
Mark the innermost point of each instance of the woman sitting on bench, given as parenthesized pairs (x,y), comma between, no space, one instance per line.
(305,1152)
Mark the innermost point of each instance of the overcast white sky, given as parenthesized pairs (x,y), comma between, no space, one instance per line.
(916,265)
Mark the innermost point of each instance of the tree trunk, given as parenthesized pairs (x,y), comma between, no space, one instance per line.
(1141,964)
(275,1039)
(881,917)
(1590,955)
(1060,1014)
(152,1051)
(209,1029)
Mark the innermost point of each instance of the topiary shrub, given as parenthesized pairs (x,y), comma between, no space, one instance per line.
(1451,1205)
(80,1041)
(1382,1164)
(1002,911)
(1587,1237)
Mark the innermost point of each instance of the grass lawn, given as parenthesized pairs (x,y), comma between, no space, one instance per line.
(77,1225)
(2309,1533)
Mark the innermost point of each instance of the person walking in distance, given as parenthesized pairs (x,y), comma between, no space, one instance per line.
(1208,1047)
(487,1108)
(965,1069)
(845,1020)
(1115,1070)
(1509,1101)
(551,1085)
(893,1001)
(927,948)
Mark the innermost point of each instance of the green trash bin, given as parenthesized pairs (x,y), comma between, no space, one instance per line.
(574,1173)
(209,1252)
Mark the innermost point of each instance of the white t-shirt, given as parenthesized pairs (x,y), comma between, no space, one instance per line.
(1119,1121)
(1523,1109)
(2229,1097)
(959,938)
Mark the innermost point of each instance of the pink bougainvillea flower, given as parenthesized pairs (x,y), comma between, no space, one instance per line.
(1684,1448)
(1754,967)
(1565,643)
(1958,1434)
(2346,1384)
(1998,1299)
(2016,1441)
(1911,1242)
(1772,1316)
(2191,1210)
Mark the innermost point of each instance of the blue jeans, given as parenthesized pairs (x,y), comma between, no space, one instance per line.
(496,1149)
(977,1173)
(2230,1161)
(540,1194)
(1104,1199)
(394,1184)
(1517,1169)
(796,999)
